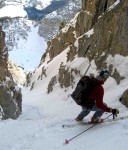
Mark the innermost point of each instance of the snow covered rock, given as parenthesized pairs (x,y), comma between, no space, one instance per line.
(9,107)
(124,98)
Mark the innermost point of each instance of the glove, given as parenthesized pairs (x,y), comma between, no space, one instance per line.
(115,111)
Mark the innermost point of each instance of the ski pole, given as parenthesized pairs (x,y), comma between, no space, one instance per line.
(86,50)
(87,69)
(67,141)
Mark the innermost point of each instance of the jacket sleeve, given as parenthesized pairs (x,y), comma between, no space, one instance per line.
(99,93)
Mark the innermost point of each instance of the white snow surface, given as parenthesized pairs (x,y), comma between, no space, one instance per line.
(40,125)
(90,32)
(43,3)
(39,4)
(12,11)
(114,5)
(29,52)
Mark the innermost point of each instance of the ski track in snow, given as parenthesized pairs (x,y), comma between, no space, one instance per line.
(32,129)
(31,126)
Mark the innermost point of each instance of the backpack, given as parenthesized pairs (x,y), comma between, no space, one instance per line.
(83,90)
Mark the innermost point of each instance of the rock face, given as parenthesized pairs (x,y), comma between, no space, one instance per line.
(3,55)
(61,42)
(110,28)
(9,101)
(110,31)
(100,29)
(17,72)
(65,78)
(8,104)
(124,98)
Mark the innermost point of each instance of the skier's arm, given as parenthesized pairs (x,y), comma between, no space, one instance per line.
(99,99)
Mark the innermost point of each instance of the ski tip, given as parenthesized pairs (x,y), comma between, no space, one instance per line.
(66,141)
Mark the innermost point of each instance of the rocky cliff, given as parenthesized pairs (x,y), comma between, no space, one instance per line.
(98,31)
(10,97)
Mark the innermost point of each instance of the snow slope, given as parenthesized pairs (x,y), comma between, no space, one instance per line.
(30,46)
(29,51)
(12,11)
(40,125)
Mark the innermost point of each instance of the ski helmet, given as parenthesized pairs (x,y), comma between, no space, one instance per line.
(104,74)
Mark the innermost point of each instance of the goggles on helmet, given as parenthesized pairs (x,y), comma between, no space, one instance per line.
(104,74)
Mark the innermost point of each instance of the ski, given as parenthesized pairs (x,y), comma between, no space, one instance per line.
(74,125)
(77,124)
(82,123)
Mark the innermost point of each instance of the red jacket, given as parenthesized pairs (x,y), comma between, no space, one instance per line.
(97,96)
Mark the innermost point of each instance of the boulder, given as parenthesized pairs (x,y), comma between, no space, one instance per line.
(124,98)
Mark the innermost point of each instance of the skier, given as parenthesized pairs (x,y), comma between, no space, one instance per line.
(95,101)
